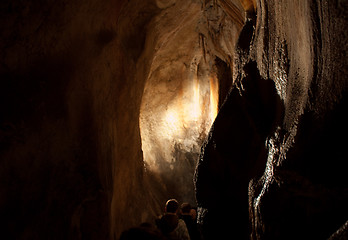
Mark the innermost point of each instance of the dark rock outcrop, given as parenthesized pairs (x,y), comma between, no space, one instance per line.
(277,145)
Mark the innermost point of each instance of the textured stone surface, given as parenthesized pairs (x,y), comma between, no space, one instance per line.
(286,139)
(71,161)
(179,101)
(76,74)
(73,75)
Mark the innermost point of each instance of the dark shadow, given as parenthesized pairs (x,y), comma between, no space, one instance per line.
(235,153)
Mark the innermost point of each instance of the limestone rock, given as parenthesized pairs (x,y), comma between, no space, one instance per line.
(285,140)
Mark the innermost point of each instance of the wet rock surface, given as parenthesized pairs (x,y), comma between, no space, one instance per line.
(76,74)
(294,155)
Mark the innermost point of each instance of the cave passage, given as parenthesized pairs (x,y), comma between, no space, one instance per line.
(180,98)
(187,79)
(108,109)
(174,121)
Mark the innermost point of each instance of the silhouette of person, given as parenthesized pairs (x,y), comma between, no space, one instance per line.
(169,223)
(188,214)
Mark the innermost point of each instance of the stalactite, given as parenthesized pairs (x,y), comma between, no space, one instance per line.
(203,45)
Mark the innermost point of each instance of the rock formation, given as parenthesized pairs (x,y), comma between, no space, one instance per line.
(279,137)
(88,88)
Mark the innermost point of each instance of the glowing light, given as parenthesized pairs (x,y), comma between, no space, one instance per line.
(195,108)
(214,97)
(171,125)
(183,122)
(171,119)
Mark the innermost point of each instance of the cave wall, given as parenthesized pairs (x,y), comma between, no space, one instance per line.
(179,101)
(167,99)
(273,164)
(72,80)
(73,76)
(71,162)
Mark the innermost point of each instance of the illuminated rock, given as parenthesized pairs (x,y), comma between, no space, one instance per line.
(104,106)
(179,103)
(278,140)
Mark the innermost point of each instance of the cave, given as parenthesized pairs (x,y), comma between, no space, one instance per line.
(110,108)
